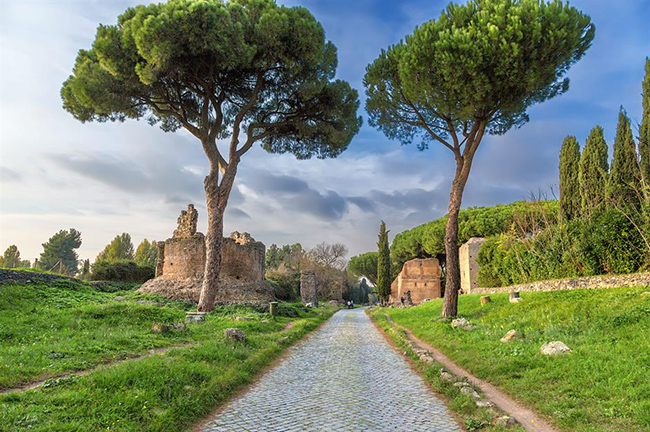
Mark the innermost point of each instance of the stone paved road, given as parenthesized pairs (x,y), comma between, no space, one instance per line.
(345,377)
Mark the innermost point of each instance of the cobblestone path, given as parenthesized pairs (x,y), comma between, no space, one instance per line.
(345,377)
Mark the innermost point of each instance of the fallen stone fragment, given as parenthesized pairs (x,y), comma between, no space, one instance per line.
(483,403)
(265,322)
(235,334)
(119,299)
(470,391)
(554,348)
(511,335)
(446,375)
(505,421)
(463,324)
(485,300)
(195,317)
(146,302)
(162,328)
(514,297)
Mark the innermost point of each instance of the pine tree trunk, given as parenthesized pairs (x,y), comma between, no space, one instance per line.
(216,199)
(452,264)
(213,242)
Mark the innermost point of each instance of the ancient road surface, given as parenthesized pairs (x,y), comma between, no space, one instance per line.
(345,377)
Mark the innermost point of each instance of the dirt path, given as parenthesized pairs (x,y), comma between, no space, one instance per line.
(528,419)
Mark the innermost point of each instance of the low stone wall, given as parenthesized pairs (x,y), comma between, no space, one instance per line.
(589,282)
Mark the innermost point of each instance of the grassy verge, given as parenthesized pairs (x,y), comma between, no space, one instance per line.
(67,326)
(473,417)
(603,385)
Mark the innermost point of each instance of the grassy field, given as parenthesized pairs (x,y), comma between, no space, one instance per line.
(603,385)
(46,330)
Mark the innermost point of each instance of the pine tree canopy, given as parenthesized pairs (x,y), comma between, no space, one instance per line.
(59,254)
(120,248)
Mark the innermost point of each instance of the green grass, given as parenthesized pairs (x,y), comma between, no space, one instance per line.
(603,385)
(473,417)
(67,326)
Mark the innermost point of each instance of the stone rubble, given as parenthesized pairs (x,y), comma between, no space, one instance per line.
(235,334)
(463,324)
(554,348)
(511,335)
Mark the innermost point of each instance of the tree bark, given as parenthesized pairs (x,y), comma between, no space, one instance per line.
(452,264)
(216,200)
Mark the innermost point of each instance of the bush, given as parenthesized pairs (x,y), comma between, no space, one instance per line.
(607,243)
(122,271)
(286,284)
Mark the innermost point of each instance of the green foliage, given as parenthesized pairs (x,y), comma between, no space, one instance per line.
(120,248)
(428,240)
(570,200)
(593,173)
(285,282)
(11,258)
(607,242)
(606,329)
(624,184)
(485,60)
(84,271)
(122,271)
(212,66)
(288,255)
(59,254)
(359,292)
(384,279)
(146,253)
(644,131)
(364,265)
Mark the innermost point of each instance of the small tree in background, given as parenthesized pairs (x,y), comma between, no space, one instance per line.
(383,265)
(236,72)
(624,184)
(146,253)
(364,265)
(570,201)
(474,70)
(59,254)
(11,258)
(84,271)
(120,248)
(593,173)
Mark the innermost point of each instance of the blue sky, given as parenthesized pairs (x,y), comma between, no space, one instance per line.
(104,179)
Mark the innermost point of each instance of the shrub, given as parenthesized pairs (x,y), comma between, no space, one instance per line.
(285,283)
(122,271)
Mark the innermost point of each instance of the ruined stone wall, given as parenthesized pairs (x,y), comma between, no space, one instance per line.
(589,282)
(181,265)
(308,292)
(467,255)
(419,276)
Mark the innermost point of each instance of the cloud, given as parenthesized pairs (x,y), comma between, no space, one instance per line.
(7,175)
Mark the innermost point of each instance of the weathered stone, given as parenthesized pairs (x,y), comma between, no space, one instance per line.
(119,299)
(273,308)
(235,334)
(194,317)
(420,278)
(446,375)
(181,265)
(265,322)
(485,300)
(505,421)
(470,392)
(554,348)
(463,324)
(514,297)
(467,255)
(588,282)
(147,302)
(483,403)
(243,318)
(308,292)
(511,335)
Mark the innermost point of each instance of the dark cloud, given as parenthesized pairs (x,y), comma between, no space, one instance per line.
(295,194)
(415,199)
(8,175)
(364,203)
(236,213)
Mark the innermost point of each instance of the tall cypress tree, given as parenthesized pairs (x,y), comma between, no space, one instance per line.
(644,132)
(383,265)
(593,173)
(624,184)
(570,201)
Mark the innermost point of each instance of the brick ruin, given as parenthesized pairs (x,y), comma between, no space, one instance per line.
(467,255)
(308,289)
(181,264)
(419,279)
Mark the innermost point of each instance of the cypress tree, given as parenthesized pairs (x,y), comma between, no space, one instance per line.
(624,184)
(644,132)
(594,169)
(383,265)
(570,201)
